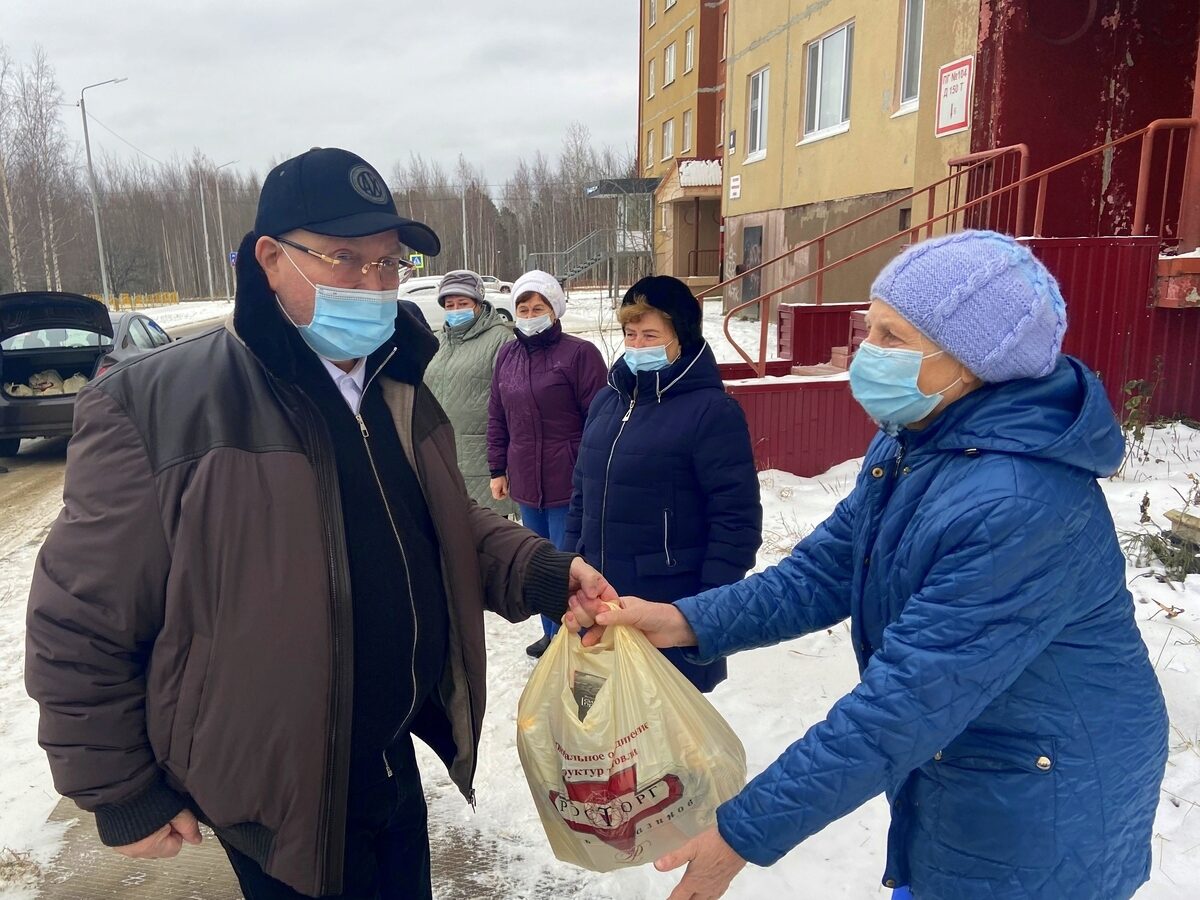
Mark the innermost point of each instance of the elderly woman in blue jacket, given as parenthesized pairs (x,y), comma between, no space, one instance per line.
(1007,705)
(665,497)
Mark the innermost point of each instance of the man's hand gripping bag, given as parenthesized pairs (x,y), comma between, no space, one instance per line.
(625,758)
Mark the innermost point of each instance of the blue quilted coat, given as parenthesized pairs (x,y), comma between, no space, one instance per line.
(666,495)
(1007,704)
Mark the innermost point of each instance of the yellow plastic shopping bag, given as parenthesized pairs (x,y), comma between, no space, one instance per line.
(625,758)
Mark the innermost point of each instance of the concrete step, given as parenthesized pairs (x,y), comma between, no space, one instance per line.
(818,370)
(841,357)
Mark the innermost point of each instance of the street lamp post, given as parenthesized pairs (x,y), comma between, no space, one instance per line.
(221,229)
(87,143)
(204,225)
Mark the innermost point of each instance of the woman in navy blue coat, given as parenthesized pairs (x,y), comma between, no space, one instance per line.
(665,500)
(1007,705)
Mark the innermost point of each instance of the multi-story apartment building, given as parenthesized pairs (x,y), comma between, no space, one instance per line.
(681,128)
(831,112)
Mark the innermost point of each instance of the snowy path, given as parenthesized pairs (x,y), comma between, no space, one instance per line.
(183,314)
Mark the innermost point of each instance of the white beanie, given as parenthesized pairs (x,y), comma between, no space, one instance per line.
(543,283)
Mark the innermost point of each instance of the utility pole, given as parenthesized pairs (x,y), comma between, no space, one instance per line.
(464,220)
(87,143)
(204,224)
(221,231)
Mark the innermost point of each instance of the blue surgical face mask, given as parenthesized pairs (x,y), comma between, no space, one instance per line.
(647,359)
(347,323)
(456,317)
(536,325)
(884,382)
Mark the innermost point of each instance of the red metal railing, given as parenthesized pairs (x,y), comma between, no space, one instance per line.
(986,204)
(946,186)
(986,172)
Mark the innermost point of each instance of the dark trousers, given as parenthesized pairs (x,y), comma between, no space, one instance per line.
(387,841)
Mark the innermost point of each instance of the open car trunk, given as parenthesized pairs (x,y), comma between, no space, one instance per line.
(40,370)
(50,342)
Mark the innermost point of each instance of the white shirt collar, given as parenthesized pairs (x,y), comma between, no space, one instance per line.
(351,384)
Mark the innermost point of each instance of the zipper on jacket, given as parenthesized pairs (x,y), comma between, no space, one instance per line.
(404,559)
(536,418)
(667,539)
(607,473)
(333,848)
(366,435)
(462,651)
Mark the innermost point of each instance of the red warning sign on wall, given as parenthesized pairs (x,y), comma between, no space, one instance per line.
(954,96)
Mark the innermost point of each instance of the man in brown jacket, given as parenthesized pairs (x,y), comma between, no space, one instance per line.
(268,574)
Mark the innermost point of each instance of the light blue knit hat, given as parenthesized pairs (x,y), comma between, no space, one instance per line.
(984,298)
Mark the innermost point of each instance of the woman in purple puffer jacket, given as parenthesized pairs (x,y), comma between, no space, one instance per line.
(542,387)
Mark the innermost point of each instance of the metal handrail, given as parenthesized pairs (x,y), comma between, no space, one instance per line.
(602,239)
(696,256)
(1040,178)
(989,154)
(985,157)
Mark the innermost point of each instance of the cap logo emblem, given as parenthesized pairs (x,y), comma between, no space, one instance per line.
(368,185)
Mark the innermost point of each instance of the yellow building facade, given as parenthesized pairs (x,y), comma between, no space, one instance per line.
(682,96)
(830,113)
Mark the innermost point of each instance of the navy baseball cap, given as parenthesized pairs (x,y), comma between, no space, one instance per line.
(335,192)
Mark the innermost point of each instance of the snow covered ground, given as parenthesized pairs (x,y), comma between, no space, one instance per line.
(771,698)
(186,313)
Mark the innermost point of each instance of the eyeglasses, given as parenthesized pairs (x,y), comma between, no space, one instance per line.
(346,268)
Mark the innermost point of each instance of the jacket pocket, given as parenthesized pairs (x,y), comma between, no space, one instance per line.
(690,559)
(994,798)
(191,697)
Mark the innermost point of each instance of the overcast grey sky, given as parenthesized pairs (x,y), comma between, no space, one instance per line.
(256,80)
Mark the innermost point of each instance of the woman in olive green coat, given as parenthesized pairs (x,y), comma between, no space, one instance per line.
(460,376)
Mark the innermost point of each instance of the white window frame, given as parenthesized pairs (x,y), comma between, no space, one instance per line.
(669,58)
(811,131)
(686,146)
(724,35)
(721,125)
(756,139)
(650,160)
(689,50)
(668,140)
(908,103)
(670,3)
(653,15)
(651,77)
(665,221)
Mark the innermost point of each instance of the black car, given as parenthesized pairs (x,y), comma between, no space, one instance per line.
(60,341)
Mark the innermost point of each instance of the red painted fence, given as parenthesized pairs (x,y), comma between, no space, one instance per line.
(804,428)
(1114,326)
(807,331)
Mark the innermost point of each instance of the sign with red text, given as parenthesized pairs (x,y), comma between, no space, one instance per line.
(955,86)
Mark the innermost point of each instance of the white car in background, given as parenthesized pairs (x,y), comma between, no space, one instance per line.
(423,292)
(492,283)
